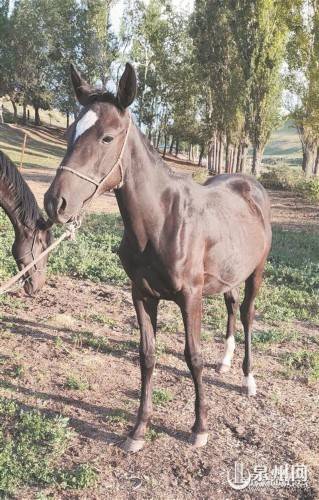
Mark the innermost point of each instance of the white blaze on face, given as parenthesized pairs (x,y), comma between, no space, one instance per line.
(87,121)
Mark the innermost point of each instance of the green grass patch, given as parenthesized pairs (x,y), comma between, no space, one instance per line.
(303,362)
(88,339)
(74,383)
(274,336)
(161,397)
(31,448)
(152,435)
(82,476)
(117,417)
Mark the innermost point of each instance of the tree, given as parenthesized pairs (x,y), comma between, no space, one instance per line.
(303,81)
(221,80)
(260,29)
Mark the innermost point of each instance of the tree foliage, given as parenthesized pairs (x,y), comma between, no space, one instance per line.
(211,80)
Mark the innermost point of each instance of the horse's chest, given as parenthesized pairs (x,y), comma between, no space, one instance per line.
(149,273)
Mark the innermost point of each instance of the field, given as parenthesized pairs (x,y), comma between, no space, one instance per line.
(69,382)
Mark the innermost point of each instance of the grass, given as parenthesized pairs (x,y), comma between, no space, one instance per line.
(152,435)
(88,339)
(303,362)
(74,383)
(31,448)
(161,397)
(117,417)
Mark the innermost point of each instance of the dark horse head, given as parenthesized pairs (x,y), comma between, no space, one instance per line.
(32,233)
(29,243)
(96,142)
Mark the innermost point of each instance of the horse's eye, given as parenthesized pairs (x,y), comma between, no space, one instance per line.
(107,139)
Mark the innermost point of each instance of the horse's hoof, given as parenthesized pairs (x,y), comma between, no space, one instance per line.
(199,440)
(132,445)
(250,385)
(222,368)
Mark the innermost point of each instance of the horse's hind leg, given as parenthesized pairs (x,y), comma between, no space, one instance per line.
(247,314)
(146,311)
(231,301)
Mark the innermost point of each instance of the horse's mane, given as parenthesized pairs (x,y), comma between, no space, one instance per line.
(24,206)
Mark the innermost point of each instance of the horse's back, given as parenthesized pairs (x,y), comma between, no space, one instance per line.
(245,186)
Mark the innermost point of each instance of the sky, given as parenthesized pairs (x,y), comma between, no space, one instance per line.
(117,9)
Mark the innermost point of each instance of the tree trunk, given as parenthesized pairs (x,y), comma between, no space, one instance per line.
(220,155)
(239,156)
(177,147)
(165,146)
(201,154)
(316,169)
(24,113)
(243,160)
(158,140)
(172,145)
(211,154)
(67,119)
(216,160)
(15,110)
(234,158)
(214,165)
(309,159)
(37,120)
(257,159)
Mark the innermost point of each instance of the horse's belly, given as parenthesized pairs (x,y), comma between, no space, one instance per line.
(230,263)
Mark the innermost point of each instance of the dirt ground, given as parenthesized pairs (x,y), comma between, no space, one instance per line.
(278,426)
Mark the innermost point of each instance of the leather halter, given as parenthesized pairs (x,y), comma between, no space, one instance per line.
(118,163)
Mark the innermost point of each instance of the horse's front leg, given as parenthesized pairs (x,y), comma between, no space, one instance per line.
(191,307)
(146,311)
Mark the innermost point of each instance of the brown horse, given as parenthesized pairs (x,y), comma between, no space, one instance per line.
(181,240)
(32,233)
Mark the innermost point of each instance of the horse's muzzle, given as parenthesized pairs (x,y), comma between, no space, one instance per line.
(56,208)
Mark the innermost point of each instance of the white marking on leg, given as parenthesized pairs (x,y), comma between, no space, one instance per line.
(250,383)
(87,121)
(229,351)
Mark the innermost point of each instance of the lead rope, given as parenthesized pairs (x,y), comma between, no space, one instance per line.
(68,234)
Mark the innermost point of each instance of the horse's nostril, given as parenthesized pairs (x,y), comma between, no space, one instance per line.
(61,205)
(49,207)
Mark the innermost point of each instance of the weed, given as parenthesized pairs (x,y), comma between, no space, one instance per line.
(160,348)
(272,336)
(206,336)
(304,362)
(152,435)
(30,446)
(16,371)
(117,417)
(82,476)
(161,397)
(73,383)
(88,339)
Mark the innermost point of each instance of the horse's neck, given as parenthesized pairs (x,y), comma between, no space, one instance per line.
(147,181)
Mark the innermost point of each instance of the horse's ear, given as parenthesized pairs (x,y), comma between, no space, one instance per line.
(127,87)
(82,89)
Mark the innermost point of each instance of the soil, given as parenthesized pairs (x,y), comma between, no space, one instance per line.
(278,426)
